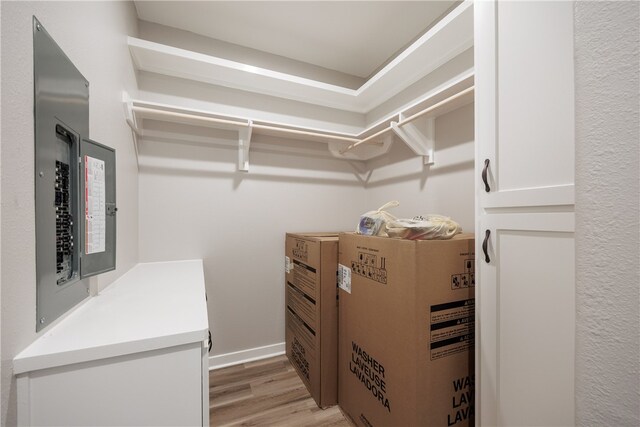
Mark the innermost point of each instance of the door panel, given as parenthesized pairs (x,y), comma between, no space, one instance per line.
(526,313)
(98,208)
(529,117)
(536,307)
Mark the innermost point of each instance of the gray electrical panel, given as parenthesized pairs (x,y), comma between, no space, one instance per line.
(74,185)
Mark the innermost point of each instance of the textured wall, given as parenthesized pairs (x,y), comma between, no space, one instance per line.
(93,35)
(607,218)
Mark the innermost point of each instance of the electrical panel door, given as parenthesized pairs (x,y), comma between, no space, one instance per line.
(98,208)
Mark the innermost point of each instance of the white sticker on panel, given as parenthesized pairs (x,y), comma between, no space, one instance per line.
(94,205)
(344,278)
(287,264)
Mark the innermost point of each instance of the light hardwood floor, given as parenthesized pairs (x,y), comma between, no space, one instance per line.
(265,393)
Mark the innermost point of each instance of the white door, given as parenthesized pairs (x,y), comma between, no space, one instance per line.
(525,121)
(526,312)
(525,197)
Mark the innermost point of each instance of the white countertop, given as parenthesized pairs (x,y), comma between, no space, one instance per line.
(152,306)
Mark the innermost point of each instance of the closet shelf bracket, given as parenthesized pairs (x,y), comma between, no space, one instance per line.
(244,143)
(130,118)
(421,142)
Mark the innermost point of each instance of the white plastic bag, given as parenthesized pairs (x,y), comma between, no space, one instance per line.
(374,223)
(429,227)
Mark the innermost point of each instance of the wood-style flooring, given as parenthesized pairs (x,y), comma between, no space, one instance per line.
(265,393)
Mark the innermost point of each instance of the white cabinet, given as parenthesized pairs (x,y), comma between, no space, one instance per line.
(133,355)
(525,159)
(152,388)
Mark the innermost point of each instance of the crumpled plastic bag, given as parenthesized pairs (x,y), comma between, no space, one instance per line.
(429,227)
(374,223)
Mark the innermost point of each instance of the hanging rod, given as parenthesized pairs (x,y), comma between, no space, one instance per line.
(354,142)
(241,124)
(304,132)
(188,116)
(409,119)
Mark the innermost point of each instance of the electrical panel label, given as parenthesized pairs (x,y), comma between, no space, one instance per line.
(94,202)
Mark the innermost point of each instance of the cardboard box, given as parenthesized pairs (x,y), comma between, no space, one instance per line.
(406,331)
(311,318)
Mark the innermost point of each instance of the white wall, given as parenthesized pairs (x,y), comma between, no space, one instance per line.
(93,35)
(194,204)
(445,188)
(607,40)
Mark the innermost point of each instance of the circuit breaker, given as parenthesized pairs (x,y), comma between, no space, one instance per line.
(74,185)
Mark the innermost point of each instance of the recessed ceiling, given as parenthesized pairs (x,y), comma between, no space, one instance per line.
(353,37)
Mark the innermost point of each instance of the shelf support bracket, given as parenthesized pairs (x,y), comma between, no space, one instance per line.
(421,142)
(130,118)
(244,142)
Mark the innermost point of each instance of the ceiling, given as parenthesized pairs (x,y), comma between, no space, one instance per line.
(352,37)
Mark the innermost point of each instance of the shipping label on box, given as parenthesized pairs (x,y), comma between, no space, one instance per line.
(344,278)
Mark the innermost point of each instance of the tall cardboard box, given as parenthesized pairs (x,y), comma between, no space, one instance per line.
(406,331)
(311,318)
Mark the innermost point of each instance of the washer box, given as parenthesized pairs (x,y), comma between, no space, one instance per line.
(406,332)
(311,317)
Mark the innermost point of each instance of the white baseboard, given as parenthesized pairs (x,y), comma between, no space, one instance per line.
(243,356)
